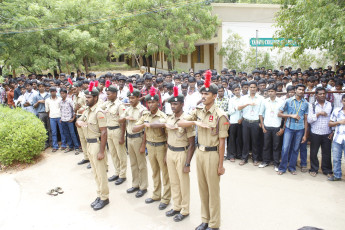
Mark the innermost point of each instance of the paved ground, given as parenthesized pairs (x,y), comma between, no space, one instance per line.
(252,199)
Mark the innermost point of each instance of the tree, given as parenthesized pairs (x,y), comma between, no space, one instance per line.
(65,35)
(314,24)
(172,27)
(233,51)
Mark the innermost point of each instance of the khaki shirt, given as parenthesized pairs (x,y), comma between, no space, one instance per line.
(81,100)
(178,137)
(95,119)
(153,135)
(113,111)
(216,119)
(135,112)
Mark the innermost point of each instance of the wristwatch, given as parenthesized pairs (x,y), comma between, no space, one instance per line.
(187,165)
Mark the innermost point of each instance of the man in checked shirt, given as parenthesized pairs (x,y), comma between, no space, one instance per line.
(320,134)
(337,120)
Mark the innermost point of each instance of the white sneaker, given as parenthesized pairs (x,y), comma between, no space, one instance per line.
(276,168)
(263,165)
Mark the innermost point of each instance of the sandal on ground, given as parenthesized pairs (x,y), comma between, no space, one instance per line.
(58,190)
(232,159)
(313,174)
(293,172)
(52,192)
(304,169)
(280,173)
(242,162)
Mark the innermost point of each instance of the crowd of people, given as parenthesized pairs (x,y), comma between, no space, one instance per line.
(272,114)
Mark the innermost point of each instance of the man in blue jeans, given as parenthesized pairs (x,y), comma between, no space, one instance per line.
(52,106)
(295,111)
(67,118)
(338,145)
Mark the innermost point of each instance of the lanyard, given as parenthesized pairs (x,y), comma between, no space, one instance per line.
(296,107)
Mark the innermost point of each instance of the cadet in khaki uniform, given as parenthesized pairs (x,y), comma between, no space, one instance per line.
(136,143)
(181,146)
(154,124)
(80,104)
(113,109)
(94,126)
(213,128)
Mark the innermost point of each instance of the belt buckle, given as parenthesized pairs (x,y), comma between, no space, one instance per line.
(202,148)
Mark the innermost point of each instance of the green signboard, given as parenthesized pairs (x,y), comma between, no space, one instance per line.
(270,42)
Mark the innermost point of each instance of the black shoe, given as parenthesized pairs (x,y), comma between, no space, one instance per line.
(150,200)
(162,206)
(179,217)
(212,228)
(140,193)
(202,226)
(113,178)
(83,161)
(95,202)
(171,212)
(101,204)
(120,181)
(131,190)
(88,166)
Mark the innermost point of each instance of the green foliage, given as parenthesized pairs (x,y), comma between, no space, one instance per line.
(249,60)
(172,30)
(22,136)
(250,1)
(314,24)
(233,51)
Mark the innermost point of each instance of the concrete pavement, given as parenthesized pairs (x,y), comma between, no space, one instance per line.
(252,199)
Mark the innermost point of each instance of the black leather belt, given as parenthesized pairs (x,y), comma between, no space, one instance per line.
(78,116)
(156,143)
(113,127)
(207,148)
(251,121)
(178,149)
(134,135)
(92,140)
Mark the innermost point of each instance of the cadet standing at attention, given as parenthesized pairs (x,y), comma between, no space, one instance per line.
(80,104)
(94,126)
(135,143)
(213,128)
(114,108)
(154,124)
(181,146)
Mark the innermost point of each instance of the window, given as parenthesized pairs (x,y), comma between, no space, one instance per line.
(183,58)
(200,54)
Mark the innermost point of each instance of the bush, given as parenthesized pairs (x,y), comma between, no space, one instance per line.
(22,136)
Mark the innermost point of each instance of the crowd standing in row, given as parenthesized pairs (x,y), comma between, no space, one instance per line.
(171,117)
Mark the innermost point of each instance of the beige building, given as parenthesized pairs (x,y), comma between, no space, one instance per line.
(243,19)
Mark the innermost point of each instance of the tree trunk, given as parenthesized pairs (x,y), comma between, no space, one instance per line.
(86,65)
(169,65)
(14,73)
(156,63)
(59,65)
(148,64)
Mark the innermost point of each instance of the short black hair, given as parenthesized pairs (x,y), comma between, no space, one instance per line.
(318,89)
(272,87)
(63,90)
(253,83)
(184,86)
(290,88)
(300,85)
(235,86)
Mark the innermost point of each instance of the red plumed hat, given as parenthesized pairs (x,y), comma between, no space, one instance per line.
(152,91)
(70,81)
(96,83)
(130,87)
(92,84)
(175,91)
(107,84)
(208,75)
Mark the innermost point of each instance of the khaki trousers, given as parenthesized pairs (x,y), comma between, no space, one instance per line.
(138,163)
(208,180)
(156,158)
(179,181)
(99,169)
(117,152)
(82,142)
